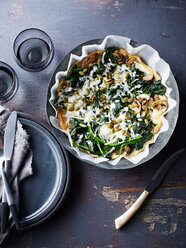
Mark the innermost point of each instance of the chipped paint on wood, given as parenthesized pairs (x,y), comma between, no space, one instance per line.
(159,211)
(110,195)
(162,202)
(95,187)
(100,2)
(167,186)
(16,10)
(172,7)
(164,35)
(154,212)
(180,211)
(115,3)
(151,227)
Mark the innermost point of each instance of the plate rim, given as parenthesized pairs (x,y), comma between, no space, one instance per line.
(65,190)
(105,165)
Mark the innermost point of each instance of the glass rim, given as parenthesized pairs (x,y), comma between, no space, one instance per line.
(50,54)
(14,85)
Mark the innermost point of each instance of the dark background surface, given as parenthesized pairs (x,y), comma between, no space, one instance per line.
(98,196)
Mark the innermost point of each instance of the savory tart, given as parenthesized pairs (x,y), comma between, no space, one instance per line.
(111,103)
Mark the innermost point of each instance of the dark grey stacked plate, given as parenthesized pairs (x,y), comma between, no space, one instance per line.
(42,193)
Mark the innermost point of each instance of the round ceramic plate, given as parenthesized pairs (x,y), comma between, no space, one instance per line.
(154,149)
(42,193)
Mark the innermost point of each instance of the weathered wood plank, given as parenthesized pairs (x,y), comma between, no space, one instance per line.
(98,196)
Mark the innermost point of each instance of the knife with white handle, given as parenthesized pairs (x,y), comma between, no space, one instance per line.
(153,184)
(9,138)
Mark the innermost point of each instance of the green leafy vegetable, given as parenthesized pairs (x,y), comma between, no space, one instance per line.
(146,136)
(78,145)
(118,106)
(156,87)
(94,135)
(74,76)
(58,103)
(145,131)
(109,55)
(131,112)
(128,142)
(101,67)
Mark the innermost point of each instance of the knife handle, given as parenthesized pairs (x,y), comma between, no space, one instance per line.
(7,165)
(4,216)
(14,212)
(5,207)
(122,220)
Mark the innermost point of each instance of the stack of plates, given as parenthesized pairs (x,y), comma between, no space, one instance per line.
(43,192)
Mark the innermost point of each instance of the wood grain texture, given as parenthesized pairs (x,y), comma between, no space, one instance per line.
(99,196)
(124,218)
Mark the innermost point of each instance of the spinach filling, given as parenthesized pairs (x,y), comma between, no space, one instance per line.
(74,77)
(144,128)
(57,102)
(86,135)
(143,86)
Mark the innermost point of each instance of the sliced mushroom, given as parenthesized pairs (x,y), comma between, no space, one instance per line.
(131,60)
(70,107)
(144,103)
(91,59)
(117,54)
(121,54)
(63,85)
(160,97)
(148,77)
(155,98)
(118,81)
(128,150)
(135,106)
(91,98)
(160,105)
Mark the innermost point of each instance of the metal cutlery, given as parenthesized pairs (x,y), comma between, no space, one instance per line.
(10,199)
(9,138)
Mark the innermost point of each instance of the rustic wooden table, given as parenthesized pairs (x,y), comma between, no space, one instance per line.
(98,196)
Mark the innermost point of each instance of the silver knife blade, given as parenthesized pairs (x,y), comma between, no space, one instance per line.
(9,135)
(162,171)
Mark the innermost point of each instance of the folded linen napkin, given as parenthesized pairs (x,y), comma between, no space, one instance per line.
(21,161)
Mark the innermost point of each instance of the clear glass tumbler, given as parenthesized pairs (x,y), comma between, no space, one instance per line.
(8,82)
(33,49)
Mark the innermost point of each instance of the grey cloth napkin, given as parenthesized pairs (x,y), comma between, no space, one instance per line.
(21,161)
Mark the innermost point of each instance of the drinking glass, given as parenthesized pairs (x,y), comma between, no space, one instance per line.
(8,82)
(33,49)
